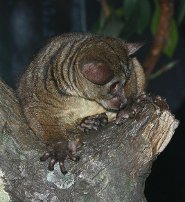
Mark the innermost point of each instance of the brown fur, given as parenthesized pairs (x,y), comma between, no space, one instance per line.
(55,95)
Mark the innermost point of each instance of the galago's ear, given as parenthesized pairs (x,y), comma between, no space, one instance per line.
(133,47)
(97,72)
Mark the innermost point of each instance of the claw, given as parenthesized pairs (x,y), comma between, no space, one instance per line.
(139,103)
(45,156)
(59,151)
(93,122)
(77,159)
(51,164)
(62,168)
(72,157)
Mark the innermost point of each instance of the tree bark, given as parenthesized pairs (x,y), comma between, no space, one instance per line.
(114,164)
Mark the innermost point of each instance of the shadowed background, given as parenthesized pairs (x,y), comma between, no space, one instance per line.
(25,26)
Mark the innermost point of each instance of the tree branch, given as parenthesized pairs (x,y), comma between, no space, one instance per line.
(161,36)
(114,165)
(105,7)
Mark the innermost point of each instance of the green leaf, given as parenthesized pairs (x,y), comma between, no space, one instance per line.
(130,26)
(144,15)
(181,13)
(129,7)
(173,33)
(131,14)
(156,17)
(103,20)
(112,26)
(119,12)
(172,39)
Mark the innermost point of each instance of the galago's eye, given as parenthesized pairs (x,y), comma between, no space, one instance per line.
(114,87)
(97,72)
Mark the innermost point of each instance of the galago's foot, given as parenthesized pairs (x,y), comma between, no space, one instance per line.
(134,108)
(93,122)
(59,151)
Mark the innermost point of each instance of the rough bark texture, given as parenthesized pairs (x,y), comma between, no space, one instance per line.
(114,165)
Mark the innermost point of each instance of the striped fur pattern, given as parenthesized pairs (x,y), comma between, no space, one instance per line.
(55,95)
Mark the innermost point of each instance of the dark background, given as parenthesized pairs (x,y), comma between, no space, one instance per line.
(26,25)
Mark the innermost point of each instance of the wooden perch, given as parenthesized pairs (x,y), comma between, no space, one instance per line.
(114,165)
